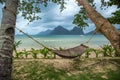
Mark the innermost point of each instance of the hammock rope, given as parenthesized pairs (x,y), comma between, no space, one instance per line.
(67,53)
(40,44)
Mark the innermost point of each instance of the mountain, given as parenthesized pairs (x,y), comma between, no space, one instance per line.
(76,31)
(45,32)
(59,30)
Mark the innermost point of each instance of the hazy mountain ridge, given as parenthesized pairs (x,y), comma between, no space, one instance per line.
(77,31)
(44,32)
(59,30)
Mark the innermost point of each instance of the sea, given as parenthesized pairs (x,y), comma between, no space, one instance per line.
(63,41)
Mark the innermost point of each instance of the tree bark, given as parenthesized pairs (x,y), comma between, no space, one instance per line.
(7,38)
(102,25)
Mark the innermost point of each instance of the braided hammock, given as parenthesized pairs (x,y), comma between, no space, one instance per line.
(71,52)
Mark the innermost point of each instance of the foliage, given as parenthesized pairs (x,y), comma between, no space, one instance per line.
(37,70)
(80,19)
(60,48)
(108,50)
(26,53)
(115,18)
(19,54)
(31,8)
(34,53)
(46,53)
(88,52)
(97,52)
(16,45)
(110,3)
(22,54)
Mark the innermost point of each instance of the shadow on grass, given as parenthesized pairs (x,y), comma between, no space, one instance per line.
(37,70)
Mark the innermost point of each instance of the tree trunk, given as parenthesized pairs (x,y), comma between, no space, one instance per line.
(7,38)
(102,25)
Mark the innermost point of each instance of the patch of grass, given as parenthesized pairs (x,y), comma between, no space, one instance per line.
(37,70)
(113,75)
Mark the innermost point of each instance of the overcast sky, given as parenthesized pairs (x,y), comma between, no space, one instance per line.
(52,17)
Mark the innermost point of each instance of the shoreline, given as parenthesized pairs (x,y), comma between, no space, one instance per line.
(29,48)
(62,41)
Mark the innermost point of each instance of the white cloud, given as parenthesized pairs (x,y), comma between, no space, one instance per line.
(107,12)
(71,9)
(52,17)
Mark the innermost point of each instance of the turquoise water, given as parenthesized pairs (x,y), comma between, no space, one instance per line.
(64,41)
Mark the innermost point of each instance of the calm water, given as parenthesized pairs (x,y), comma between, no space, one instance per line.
(64,41)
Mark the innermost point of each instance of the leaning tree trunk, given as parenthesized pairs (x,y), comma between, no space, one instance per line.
(102,25)
(7,38)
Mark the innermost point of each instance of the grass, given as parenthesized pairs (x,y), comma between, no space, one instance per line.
(25,68)
(45,69)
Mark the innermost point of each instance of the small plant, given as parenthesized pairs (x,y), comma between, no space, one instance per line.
(34,53)
(108,50)
(19,55)
(60,48)
(16,45)
(47,53)
(26,53)
(44,52)
(88,52)
(97,52)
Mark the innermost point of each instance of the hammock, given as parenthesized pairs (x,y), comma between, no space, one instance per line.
(71,52)
(67,53)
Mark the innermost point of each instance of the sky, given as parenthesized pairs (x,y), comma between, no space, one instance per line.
(52,17)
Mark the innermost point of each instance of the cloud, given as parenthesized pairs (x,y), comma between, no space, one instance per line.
(52,17)
(105,12)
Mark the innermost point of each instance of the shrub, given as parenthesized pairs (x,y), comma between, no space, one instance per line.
(108,50)
(97,52)
(16,45)
(88,52)
(47,53)
(34,53)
